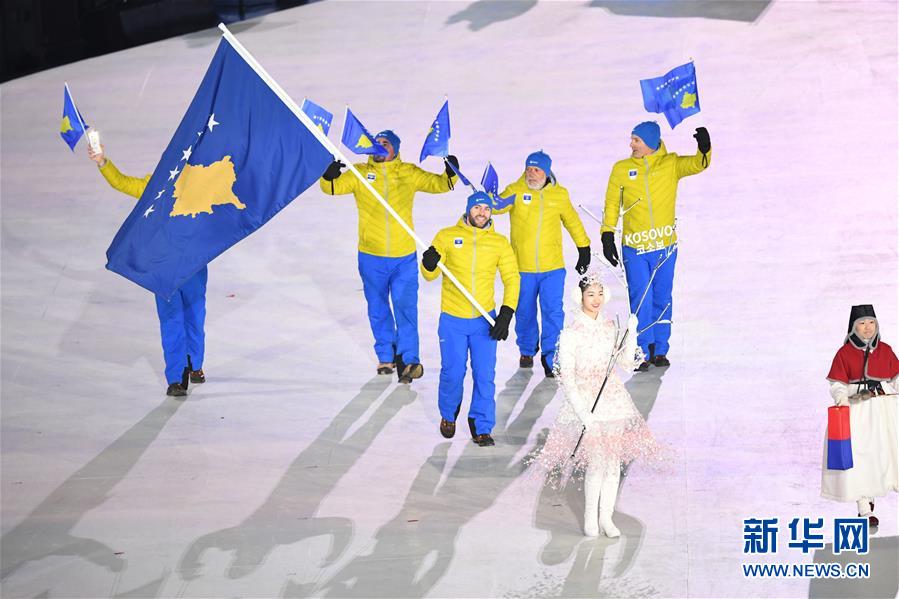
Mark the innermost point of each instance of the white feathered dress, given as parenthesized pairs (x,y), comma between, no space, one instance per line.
(616,432)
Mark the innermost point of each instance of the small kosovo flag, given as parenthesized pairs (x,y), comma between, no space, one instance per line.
(321,117)
(437,141)
(675,94)
(357,138)
(72,127)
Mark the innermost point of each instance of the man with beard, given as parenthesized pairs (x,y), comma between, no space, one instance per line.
(473,252)
(386,252)
(540,209)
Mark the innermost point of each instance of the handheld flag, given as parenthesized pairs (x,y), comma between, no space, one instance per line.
(357,138)
(490,183)
(675,94)
(437,140)
(239,156)
(72,126)
(459,174)
(321,117)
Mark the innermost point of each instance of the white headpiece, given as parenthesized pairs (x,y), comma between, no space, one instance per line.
(593,277)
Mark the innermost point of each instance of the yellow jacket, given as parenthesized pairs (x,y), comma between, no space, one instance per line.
(397,181)
(536,232)
(130,185)
(474,255)
(647,189)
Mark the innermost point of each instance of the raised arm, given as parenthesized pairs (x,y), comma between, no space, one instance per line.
(132,186)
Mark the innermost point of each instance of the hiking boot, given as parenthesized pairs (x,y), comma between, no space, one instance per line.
(547,369)
(385,367)
(447,428)
(660,361)
(176,390)
(484,440)
(197,377)
(643,367)
(526,362)
(411,371)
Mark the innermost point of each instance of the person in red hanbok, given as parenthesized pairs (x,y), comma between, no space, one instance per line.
(864,376)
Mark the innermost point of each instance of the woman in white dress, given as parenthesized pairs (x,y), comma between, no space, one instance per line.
(864,376)
(615,432)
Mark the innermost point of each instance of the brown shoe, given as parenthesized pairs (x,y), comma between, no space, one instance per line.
(484,440)
(526,362)
(385,367)
(447,428)
(197,377)
(411,371)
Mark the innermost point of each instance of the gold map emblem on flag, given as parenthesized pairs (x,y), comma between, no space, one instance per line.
(689,100)
(363,142)
(66,125)
(199,188)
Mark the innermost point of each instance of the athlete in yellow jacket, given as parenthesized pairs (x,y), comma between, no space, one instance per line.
(387,262)
(644,188)
(473,252)
(540,209)
(182,318)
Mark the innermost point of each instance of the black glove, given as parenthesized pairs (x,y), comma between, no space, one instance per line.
(500,330)
(702,140)
(608,247)
(583,260)
(430,259)
(455,162)
(333,170)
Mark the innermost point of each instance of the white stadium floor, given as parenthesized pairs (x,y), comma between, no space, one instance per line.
(295,471)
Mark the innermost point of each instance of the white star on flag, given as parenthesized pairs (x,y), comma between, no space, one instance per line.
(148,211)
(212,122)
(186,154)
(174,173)
(159,195)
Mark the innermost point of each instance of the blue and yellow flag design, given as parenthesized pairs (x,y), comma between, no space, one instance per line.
(357,138)
(437,140)
(72,127)
(674,94)
(239,156)
(490,183)
(321,117)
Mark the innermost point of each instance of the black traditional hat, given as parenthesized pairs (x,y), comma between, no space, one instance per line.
(855,314)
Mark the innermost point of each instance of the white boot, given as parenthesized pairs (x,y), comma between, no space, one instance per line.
(592,485)
(864,506)
(607,496)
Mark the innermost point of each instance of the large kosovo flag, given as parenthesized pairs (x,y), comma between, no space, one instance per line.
(674,94)
(239,156)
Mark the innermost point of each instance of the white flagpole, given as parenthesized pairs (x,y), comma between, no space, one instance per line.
(323,139)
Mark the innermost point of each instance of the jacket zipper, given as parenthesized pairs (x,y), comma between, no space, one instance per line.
(652,223)
(539,226)
(386,213)
(474,259)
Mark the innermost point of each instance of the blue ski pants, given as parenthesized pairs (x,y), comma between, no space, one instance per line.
(459,339)
(181,325)
(387,281)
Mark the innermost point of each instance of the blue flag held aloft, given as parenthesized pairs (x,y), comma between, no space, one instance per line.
(357,138)
(437,140)
(674,94)
(239,156)
(490,183)
(321,117)
(72,127)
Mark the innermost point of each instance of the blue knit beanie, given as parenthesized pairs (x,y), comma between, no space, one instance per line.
(478,197)
(650,133)
(541,160)
(392,138)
